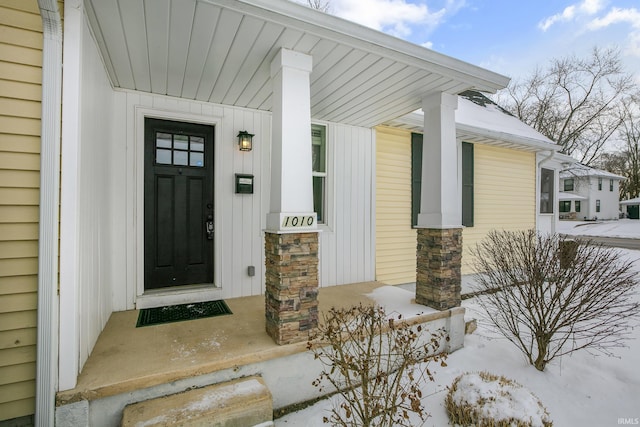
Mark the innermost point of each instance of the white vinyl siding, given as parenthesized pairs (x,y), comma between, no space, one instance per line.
(347,244)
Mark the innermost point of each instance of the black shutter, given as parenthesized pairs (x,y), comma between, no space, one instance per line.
(467,184)
(416,176)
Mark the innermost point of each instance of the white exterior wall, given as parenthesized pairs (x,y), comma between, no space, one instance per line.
(239,218)
(609,200)
(95,206)
(346,242)
(86,257)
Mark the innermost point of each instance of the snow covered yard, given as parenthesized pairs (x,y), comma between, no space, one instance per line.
(627,228)
(577,390)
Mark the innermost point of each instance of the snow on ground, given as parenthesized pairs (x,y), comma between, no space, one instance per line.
(628,228)
(578,390)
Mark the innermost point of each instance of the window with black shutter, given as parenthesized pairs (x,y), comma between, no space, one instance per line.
(416,180)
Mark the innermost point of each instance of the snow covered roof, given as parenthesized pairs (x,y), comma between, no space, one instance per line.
(579,170)
(480,120)
(569,196)
(635,201)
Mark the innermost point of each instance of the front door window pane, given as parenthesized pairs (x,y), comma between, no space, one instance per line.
(179,149)
(196,159)
(163,157)
(163,140)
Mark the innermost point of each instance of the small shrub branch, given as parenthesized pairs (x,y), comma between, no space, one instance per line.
(549,305)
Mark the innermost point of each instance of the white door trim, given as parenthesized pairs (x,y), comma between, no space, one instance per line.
(136,212)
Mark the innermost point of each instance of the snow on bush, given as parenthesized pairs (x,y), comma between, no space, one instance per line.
(485,400)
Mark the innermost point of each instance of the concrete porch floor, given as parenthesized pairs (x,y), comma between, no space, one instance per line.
(126,358)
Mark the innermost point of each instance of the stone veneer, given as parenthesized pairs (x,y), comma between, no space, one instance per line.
(439,257)
(291,297)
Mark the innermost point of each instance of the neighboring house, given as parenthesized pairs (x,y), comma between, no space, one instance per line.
(502,163)
(124,186)
(588,193)
(631,208)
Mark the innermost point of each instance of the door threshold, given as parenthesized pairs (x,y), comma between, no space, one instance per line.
(178,295)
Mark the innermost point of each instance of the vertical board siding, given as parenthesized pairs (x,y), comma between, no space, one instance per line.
(346,252)
(95,278)
(20,93)
(395,239)
(504,194)
(239,218)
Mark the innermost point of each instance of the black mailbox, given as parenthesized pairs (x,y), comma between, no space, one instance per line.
(244,184)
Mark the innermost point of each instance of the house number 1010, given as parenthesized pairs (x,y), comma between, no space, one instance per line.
(297,221)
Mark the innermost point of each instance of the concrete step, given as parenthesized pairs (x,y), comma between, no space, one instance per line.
(239,403)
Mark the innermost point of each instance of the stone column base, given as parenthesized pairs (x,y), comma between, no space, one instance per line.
(439,258)
(291,297)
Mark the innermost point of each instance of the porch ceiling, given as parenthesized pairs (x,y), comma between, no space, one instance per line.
(220,51)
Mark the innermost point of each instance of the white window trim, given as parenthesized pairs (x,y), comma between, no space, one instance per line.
(329,210)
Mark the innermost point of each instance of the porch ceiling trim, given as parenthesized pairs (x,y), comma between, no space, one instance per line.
(220,50)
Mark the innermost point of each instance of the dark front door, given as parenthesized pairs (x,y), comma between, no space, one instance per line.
(178,204)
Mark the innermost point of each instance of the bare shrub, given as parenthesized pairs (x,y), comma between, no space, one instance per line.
(549,305)
(377,364)
(486,400)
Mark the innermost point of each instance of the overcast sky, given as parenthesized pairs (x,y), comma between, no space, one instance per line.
(511,37)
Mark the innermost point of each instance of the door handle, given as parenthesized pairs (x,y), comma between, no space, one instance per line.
(209,227)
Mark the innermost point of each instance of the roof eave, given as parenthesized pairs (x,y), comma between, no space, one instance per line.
(356,35)
(531,143)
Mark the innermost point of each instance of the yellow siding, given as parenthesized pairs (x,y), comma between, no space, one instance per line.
(395,239)
(504,195)
(504,198)
(20,94)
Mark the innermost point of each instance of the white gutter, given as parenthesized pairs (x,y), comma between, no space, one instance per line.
(507,137)
(546,159)
(415,120)
(47,341)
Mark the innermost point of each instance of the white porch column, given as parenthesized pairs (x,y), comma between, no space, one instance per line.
(291,239)
(291,179)
(439,204)
(439,246)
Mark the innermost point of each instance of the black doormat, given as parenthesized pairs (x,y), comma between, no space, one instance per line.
(178,313)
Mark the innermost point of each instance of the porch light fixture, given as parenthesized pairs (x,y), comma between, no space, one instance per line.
(245,140)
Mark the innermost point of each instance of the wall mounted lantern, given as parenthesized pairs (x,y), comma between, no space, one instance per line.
(245,140)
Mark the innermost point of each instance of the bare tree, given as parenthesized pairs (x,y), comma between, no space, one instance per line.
(575,102)
(630,135)
(626,160)
(321,5)
(550,297)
